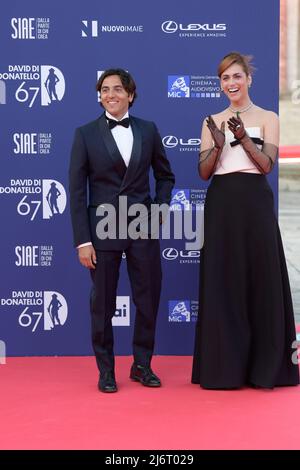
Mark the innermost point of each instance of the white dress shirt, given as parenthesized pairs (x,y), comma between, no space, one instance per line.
(124,139)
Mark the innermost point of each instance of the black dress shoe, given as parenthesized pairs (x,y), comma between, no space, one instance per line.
(107,382)
(144,375)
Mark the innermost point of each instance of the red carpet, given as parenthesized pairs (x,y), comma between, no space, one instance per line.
(289,154)
(53,403)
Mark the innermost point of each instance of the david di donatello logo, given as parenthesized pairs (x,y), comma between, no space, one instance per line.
(193,86)
(38,310)
(44,84)
(40,198)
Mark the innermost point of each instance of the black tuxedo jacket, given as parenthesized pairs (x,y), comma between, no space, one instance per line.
(98,175)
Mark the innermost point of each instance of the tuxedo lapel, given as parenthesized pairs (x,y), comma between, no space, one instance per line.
(135,154)
(112,147)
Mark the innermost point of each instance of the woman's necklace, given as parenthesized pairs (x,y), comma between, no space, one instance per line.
(243,110)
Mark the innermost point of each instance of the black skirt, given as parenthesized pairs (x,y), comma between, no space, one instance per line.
(245,334)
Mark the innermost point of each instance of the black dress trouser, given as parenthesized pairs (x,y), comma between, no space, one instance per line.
(144,270)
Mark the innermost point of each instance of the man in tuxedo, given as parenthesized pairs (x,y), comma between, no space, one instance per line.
(112,156)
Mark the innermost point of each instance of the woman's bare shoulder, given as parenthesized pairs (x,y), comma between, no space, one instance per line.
(266,114)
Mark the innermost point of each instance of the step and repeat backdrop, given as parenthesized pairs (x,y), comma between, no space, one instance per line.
(51,56)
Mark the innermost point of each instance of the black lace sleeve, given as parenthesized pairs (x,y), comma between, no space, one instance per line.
(208,160)
(263,159)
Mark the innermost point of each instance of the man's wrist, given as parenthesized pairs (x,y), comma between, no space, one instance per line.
(84,244)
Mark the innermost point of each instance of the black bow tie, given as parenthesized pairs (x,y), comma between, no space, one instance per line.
(113,123)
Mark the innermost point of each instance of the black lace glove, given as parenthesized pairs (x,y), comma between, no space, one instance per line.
(236,126)
(209,158)
(263,159)
(217,134)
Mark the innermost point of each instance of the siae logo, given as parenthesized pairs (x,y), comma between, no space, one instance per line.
(30,28)
(33,143)
(33,255)
(25,143)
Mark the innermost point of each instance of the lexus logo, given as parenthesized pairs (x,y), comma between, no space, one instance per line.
(170,141)
(169,26)
(170,253)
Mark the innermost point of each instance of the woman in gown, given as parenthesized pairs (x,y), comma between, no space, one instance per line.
(245,333)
